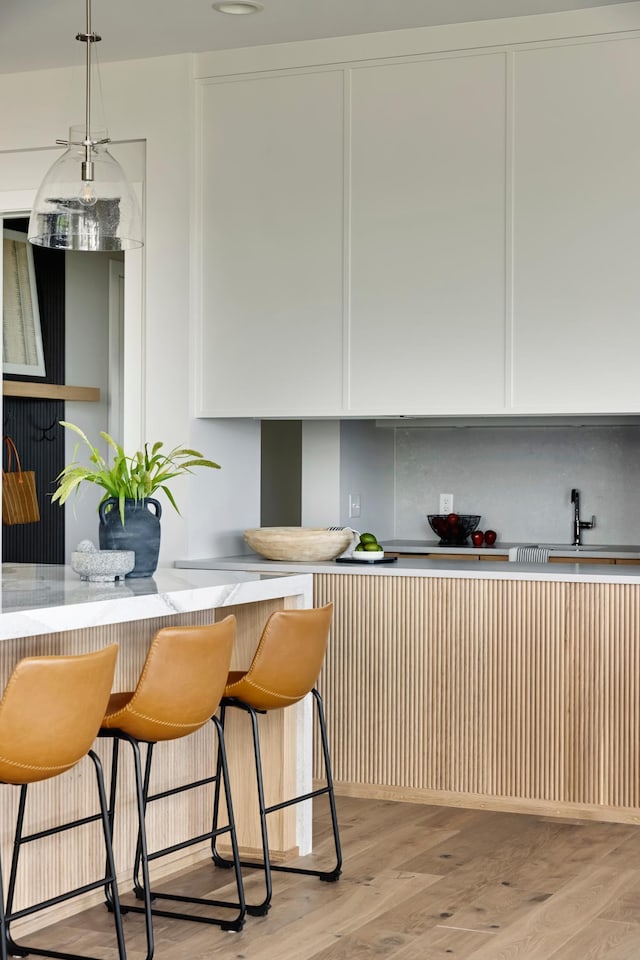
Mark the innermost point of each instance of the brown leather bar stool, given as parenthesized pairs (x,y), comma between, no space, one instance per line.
(178,692)
(50,714)
(284,669)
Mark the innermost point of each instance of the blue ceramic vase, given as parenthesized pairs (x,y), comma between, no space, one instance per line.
(140,533)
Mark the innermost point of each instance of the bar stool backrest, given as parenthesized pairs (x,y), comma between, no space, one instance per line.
(181,683)
(288,660)
(51,712)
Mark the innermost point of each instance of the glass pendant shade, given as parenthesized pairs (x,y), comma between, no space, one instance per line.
(98,214)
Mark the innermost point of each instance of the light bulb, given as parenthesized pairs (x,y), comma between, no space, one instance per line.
(88,196)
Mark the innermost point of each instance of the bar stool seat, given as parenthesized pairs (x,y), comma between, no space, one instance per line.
(50,714)
(283,671)
(178,692)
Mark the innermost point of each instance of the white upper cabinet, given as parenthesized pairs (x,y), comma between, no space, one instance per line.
(454,233)
(576,228)
(271,270)
(427,265)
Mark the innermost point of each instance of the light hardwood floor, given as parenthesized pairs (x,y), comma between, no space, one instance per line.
(421,883)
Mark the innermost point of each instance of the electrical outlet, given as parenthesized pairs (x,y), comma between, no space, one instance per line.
(354,505)
(446,503)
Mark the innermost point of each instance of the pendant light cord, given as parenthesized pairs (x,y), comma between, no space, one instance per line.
(88,37)
(88,84)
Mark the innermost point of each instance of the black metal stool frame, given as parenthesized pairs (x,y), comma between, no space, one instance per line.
(7,914)
(329,876)
(141,879)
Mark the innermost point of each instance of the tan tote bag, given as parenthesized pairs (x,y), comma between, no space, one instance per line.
(19,499)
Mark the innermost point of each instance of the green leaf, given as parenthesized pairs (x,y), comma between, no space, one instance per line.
(132,477)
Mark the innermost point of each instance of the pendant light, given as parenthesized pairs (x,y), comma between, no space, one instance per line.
(85,201)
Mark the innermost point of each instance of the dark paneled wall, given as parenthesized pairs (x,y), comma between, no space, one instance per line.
(33,424)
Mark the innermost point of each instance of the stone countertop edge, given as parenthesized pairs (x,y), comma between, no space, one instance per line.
(49,598)
(419,567)
(615,551)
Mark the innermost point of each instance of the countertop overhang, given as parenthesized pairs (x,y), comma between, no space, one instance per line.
(420,567)
(48,598)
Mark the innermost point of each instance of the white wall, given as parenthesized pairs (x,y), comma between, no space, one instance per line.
(149,102)
(367,468)
(320,494)
(520,478)
(86,361)
(219,505)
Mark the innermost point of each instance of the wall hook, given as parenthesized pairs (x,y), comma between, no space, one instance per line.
(9,423)
(46,431)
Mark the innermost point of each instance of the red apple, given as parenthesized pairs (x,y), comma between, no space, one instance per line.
(477,537)
(490,537)
(453,519)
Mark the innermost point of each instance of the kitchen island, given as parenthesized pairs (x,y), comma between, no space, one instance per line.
(47,609)
(505,686)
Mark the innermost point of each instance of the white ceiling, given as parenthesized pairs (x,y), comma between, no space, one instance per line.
(40,33)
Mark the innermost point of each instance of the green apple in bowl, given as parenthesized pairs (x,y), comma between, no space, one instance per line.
(368,548)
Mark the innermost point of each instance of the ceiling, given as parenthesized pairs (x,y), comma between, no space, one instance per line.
(37,34)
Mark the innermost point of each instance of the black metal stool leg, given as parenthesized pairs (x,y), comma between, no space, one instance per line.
(13,947)
(223,770)
(335,873)
(3,924)
(328,876)
(143,891)
(107,881)
(138,885)
(258,910)
(253,909)
(111,879)
(141,879)
(217,859)
(112,808)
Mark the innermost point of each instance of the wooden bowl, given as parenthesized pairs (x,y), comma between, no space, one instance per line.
(298,543)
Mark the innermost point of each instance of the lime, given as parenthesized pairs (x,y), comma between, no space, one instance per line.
(360,546)
(372,546)
(367,538)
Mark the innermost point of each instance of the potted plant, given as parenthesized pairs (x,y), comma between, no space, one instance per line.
(126,522)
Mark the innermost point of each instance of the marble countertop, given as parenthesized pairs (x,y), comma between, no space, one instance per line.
(419,567)
(47,598)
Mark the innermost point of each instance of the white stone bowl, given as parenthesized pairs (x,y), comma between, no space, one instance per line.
(367,556)
(100,565)
(298,543)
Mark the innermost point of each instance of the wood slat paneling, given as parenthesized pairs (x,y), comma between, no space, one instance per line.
(490,692)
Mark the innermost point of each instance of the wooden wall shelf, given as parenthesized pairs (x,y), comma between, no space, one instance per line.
(48,391)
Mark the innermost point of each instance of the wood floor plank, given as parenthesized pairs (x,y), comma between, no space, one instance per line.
(601,940)
(525,871)
(626,909)
(551,925)
(419,883)
(443,943)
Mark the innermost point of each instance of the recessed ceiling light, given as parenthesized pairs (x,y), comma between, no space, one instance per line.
(238,7)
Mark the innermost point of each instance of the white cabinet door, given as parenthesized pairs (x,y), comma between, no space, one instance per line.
(271,207)
(576,335)
(427,265)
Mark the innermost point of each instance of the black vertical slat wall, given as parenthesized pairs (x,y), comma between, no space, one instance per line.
(33,424)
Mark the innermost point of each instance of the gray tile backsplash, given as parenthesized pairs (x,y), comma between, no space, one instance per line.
(520,478)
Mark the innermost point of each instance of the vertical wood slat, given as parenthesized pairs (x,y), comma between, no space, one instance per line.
(486,690)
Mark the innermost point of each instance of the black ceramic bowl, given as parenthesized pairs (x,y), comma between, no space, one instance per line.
(453,529)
